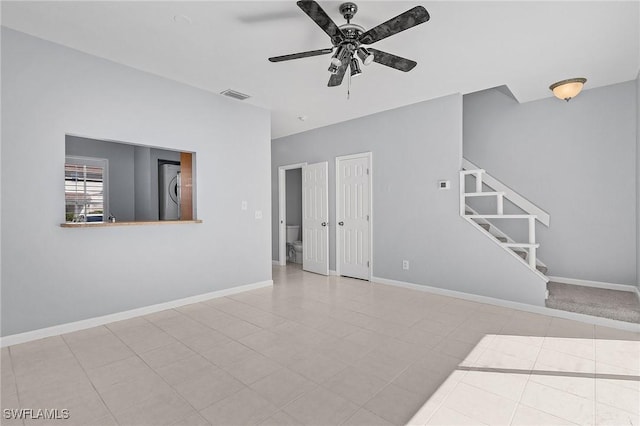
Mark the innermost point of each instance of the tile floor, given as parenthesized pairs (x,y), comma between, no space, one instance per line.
(330,351)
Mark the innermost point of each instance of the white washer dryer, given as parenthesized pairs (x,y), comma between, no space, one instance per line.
(169,188)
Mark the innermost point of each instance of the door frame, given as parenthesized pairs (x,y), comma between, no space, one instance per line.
(369,157)
(282,210)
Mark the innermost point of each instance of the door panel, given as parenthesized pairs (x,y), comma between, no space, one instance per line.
(315,218)
(353,217)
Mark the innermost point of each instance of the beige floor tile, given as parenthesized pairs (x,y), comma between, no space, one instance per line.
(421,379)
(395,404)
(262,340)
(132,368)
(615,334)
(185,369)
(47,373)
(166,355)
(527,416)
(364,417)
(280,419)
(558,403)
(560,327)
(180,326)
(9,400)
(583,348)
(621,353)
(549,360)
(320,407)
(123,395)
(237,329)
(382,366)
(506,385)
(208,388)
(355,385)
(611,393)
(318,368)
(194,419)
(480,404)
(346,351)
(228,354)
(607,415)
(253,368)
(143,337)
(445,416)
(567,382)
(160,408)
(99,351)
(282,386)
(245,407)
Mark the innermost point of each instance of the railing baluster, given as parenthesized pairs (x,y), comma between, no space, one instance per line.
(479,181)
(500,201)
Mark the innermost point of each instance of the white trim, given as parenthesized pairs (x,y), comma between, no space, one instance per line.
(517,199)
(369,157)
(56,330)
(595,284)
(282,210)
(603,322)
(332,272)
(276,263)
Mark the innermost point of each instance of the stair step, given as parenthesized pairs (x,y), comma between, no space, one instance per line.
(468,212)
(486,226)
(522,254)
(502,239)
(542,269)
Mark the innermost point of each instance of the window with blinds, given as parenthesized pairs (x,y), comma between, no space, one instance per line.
(85,189)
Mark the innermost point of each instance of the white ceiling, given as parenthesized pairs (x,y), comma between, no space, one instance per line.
(465,47)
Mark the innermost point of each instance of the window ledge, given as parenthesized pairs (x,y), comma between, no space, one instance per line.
(106,224)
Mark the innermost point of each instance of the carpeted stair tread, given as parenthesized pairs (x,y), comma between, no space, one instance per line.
(599,302)
(502,239)
(542,269)
(522,254)
(486,226)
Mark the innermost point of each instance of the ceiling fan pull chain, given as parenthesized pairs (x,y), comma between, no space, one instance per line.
(349,87)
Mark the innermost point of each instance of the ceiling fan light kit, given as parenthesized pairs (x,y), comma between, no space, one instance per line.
(567,89)
(347,40)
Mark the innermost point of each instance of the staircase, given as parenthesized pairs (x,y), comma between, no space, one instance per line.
(523,251)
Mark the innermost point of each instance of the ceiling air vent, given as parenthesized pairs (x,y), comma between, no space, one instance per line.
(235,95)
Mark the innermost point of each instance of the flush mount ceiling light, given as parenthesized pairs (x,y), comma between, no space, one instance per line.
(567,89)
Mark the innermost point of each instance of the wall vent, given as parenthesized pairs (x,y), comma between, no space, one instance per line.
(235,95)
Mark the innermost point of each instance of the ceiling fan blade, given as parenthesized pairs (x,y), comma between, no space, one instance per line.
(336,79)
(321,18)
(300,55)
(392,61)
(404,21)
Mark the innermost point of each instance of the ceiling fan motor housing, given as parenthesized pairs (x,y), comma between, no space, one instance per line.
(348,10)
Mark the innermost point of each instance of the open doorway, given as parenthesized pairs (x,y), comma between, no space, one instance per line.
(290,214)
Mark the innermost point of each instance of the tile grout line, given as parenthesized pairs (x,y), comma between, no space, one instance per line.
(89,378)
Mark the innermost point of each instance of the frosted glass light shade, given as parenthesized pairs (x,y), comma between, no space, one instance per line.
(567,89)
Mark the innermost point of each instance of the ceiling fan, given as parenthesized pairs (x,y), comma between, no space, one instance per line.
(347,40)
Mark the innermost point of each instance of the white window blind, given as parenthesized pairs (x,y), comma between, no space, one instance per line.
(85,189)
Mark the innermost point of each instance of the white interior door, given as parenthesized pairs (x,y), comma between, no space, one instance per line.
(315,218)
(353,216)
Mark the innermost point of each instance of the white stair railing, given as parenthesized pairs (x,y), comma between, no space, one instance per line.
(532,212)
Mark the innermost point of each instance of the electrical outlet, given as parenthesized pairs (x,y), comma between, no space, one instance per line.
(405,264)
(243,206)
(258,214)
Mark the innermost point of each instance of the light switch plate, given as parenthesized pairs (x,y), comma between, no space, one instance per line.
(258,214)
(243,206)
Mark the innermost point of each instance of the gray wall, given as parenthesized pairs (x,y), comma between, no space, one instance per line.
(48,275)
(577,161)
(121,172)
(412,148)
(142,183)
(294,197)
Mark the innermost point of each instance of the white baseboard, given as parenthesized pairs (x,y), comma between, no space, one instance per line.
(604,322)
(595,284)
(56,330)
(332,272)
(275,262)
